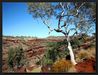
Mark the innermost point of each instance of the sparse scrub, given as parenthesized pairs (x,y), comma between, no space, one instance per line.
(82,55)
(92,45)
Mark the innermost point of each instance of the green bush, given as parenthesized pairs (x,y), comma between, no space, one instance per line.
(54,52)
(19,58)
(11,56)
(38,63)
(46,61)
(16,57)
(51,44)
(77,42)
(56,44)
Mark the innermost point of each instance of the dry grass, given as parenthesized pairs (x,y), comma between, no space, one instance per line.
(82,54)
(61,65)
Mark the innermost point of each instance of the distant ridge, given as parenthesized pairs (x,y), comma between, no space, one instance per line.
(56,37)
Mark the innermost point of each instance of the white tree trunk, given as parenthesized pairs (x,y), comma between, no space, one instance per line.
(71,52)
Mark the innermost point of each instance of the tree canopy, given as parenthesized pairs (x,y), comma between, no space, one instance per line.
(77,16)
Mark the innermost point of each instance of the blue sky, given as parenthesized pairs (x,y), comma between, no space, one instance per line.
(18,22)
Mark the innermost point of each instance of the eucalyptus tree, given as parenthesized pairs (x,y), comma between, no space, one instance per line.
(72,18)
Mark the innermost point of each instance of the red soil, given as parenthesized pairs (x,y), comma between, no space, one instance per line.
(88,66)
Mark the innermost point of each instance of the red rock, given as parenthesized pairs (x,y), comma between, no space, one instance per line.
(20,69)
(4,67)
(29,50)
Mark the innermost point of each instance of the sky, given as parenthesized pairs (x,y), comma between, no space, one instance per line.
(18,22)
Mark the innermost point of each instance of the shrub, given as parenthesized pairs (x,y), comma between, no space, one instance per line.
(63,53)
(61,65)
(54,52)
(76,42)
(56,44)
(92,45)
(46,61)
(51,44)
(19,58)
(38,62)
(15,57)
(82,55)
(11,56)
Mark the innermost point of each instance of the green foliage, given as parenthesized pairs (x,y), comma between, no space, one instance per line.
(47,10)
(19,56)
(76,42)
(50,44)
(40,9)
(11,56)
(16,57)
(48,58)
(56,44)
(46,61)
(92,45)
(38,63)
(64,53)
(54,52)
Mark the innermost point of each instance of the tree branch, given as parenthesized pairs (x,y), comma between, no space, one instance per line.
(60,16)
(76,10)
(47,25)
(58,30)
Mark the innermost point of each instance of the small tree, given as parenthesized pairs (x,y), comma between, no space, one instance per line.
(72,18)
